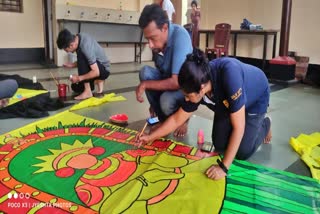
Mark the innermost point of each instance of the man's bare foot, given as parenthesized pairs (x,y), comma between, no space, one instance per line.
(152,113)
(98,95)
(267,139)
(84,95)
(182,130)
(100,84)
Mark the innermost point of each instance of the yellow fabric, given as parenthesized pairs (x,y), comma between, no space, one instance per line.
(23,94)
(74,164)
(144,181)
(93,101)
(308,147)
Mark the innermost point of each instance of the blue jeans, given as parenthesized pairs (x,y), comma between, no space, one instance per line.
(164,103)
(256,129)
(8,88)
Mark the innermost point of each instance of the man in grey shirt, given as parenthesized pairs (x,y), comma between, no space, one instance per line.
(93,65)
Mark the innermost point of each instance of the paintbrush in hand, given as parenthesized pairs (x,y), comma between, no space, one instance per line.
(142,131)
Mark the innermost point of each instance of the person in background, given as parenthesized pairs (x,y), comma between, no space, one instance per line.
(238,93)
(8,88)
(92,62)
(195,20)
(170,44)
(167,6)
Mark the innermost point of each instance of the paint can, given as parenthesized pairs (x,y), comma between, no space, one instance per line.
(62,90)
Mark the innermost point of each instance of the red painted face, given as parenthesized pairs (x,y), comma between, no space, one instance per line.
(81,161)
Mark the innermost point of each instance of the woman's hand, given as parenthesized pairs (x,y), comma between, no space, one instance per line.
(215,172)
(142,139)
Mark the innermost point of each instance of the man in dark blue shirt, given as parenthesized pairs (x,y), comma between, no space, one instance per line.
(238,93)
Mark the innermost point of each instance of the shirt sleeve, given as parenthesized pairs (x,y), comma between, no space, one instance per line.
(233,86)
(88,51)
(181,48)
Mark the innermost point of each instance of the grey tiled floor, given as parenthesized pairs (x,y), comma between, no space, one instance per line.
(294,110)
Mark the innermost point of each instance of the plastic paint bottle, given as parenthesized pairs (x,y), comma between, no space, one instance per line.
(200,136)
(34,79)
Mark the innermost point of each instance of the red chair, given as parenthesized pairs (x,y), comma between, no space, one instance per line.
(221,41)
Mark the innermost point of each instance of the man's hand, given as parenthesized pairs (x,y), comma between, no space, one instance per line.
(139,92)
(215,172)
(74,78)
(70,65)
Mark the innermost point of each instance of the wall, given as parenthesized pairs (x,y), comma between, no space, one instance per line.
(267,13)
(229,11)
(143,3)
(116,52)
(133,5)
(303,34)
(23,30)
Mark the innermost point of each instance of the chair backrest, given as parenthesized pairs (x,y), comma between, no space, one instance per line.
(222,36)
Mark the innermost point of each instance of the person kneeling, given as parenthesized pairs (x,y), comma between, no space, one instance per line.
(238,93)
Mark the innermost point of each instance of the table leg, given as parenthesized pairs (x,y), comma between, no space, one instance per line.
(207,39)
(264,54)
(274,45)
(235,38)
(135,52)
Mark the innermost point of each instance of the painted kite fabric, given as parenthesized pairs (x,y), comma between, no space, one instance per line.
(308,147)
(23,93)
(72,164)
(94,101)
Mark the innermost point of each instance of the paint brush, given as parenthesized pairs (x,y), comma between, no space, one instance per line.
(57,82)
(142,131)
(144,128)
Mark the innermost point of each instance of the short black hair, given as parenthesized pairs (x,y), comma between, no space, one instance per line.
(195,3)
(153,12)
(194,72)
(65,38)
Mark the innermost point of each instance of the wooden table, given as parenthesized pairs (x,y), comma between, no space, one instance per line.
(235,33)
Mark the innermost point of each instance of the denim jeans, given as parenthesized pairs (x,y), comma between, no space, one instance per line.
(256,129)
(164,103)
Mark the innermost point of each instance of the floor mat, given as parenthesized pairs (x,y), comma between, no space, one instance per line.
(69,163)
